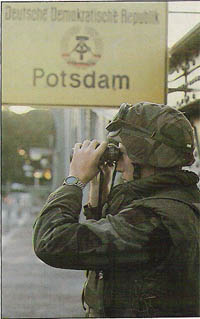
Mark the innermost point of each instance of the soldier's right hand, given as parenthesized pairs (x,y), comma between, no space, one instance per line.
(85,160)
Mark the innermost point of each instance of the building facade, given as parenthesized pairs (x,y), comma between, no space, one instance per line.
(184,83)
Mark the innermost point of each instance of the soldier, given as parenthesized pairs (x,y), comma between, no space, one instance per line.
(142,255)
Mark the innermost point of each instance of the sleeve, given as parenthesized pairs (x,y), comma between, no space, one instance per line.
(61,241)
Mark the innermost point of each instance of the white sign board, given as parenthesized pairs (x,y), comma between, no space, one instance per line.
(83,53)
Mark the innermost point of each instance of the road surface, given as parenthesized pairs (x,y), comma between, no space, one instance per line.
(30,288)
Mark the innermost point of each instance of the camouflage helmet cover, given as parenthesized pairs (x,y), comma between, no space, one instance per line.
(154,134)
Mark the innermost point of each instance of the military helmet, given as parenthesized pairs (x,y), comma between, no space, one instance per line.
(154,134)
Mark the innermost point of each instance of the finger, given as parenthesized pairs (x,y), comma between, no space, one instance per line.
(86,143)
(77,146)
(101,148)
(94,144)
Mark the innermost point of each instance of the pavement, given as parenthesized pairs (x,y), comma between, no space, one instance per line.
(32,289)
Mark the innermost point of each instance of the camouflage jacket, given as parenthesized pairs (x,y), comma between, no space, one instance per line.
(143,254)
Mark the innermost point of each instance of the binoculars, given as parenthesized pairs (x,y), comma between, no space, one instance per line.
(110,156)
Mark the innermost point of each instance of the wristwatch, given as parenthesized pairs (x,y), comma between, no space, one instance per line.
(73,180)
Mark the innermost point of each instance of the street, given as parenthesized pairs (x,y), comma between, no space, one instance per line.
(30,288)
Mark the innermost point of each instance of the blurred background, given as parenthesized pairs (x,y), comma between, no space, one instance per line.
(36,147)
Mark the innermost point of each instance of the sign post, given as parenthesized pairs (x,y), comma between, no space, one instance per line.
(83,54)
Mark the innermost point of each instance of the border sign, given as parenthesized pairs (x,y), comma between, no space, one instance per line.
(83,53)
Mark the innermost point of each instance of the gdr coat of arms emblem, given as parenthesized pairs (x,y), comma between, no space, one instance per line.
(81,47)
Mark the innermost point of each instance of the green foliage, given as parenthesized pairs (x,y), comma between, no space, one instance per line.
(23,131)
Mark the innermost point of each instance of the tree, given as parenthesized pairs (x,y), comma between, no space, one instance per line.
(21,132)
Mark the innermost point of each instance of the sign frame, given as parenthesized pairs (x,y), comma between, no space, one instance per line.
(99,89)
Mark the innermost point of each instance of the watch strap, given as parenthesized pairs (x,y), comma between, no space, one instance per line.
(80,184)
(77,183)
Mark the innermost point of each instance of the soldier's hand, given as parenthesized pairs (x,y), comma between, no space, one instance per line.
(86,156)
(94,186)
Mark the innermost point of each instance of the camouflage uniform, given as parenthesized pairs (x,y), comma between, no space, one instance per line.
(142,255)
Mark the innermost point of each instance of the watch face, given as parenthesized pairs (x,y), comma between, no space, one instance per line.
(71,180)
